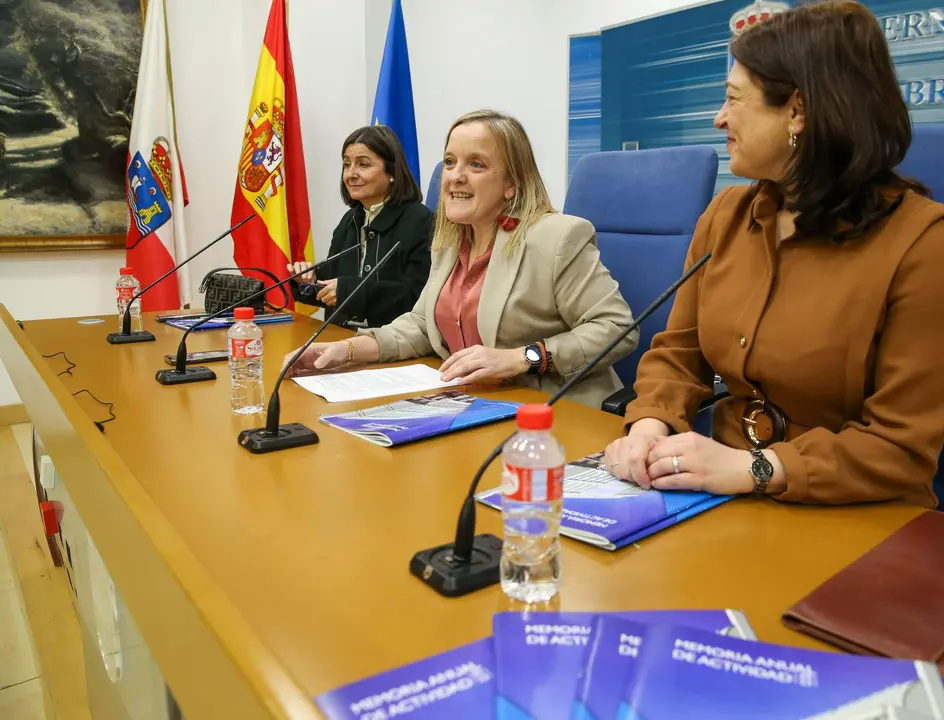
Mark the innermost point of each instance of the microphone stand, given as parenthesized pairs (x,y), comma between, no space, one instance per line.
(126,336)
(200,373)
(274,436)
(472,562)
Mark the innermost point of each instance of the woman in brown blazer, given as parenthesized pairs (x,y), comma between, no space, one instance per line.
(821,306)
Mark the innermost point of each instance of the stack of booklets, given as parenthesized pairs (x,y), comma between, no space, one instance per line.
(610,513)
(649,665)
(224,321)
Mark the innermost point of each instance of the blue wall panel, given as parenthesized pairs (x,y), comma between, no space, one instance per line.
(661,80)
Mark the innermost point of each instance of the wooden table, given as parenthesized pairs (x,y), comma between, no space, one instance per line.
(260,581)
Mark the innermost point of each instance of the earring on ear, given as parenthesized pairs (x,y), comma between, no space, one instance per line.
(792,141)
(391,181)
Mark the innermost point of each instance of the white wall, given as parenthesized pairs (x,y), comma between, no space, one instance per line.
(40,285)
(507,55)
(590,17)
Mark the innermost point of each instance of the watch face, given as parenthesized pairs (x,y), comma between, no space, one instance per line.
(762,469)
(532,354)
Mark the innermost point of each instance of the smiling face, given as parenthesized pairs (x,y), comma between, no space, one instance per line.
(758,133)
(364,175)
(474,180)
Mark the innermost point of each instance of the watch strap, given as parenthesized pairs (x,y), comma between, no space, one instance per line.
(761,471)
(544,360)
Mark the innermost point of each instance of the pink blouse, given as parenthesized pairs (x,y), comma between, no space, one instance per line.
(457,309)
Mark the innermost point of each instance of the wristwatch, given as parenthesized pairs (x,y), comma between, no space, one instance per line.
(535,358)
(762,471)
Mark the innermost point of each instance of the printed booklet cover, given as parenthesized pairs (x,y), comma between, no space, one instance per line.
(458,685)
(421,417)
(682,672)
(610,513)
(539,655)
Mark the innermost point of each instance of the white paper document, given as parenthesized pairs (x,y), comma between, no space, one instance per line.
(367,384)
(589,478)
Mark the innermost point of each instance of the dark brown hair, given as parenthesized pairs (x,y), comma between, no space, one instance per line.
(383,141)
(857,127)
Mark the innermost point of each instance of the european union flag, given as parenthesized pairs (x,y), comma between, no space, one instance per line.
(393,104)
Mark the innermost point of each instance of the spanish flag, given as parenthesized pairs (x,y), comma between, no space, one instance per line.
(271,179)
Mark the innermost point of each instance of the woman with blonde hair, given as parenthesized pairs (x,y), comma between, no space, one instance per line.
(516,291)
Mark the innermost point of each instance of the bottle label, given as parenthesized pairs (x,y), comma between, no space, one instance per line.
(125,294)
(533,485)
(243,349)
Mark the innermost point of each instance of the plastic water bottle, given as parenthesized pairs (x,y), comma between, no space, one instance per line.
(532,501)
(245,363)
(125,289)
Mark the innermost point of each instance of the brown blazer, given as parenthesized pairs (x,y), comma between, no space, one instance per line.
(847,340)
(551,287)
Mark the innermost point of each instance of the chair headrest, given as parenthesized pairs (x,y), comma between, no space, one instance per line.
(657,192)
(924,161)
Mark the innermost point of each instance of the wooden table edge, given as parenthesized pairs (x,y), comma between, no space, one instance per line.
(185,617)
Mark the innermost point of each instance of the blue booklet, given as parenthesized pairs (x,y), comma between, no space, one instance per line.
(458,684)
(682,672)
(539,655)
(608,663)
(224,321)
(422,417)
(610,513)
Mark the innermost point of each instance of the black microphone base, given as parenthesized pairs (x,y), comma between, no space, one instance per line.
(135,337)
(196,373)
(291,435)
(437,568)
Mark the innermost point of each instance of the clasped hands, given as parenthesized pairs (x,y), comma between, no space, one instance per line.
(648,457)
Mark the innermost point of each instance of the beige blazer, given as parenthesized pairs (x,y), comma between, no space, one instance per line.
(551,287)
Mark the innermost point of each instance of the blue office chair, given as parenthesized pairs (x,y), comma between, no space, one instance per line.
(925,159)
(432,192)
(644,205)
(925,163)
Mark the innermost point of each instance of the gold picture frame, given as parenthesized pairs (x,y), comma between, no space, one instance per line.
(84,185)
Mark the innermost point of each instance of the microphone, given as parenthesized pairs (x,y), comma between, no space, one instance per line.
(472,561)
(199,373)
(126,336)
(281,437)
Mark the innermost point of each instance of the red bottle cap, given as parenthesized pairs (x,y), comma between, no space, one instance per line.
(535,417)
(244,313)
(127,271)
(50,517)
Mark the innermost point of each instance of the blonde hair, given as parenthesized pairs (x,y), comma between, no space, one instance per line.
(530,202)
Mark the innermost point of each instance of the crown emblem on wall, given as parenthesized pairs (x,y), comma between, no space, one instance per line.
(756,13)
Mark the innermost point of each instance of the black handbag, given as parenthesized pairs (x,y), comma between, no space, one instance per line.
(223,289)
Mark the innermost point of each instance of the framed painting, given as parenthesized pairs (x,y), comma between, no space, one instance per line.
(68,73)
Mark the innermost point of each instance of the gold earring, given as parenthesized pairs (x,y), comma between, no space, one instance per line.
(792,141)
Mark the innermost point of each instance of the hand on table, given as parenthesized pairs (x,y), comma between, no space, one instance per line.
(479,363)
(627,458)
(318,356)
(704,465)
